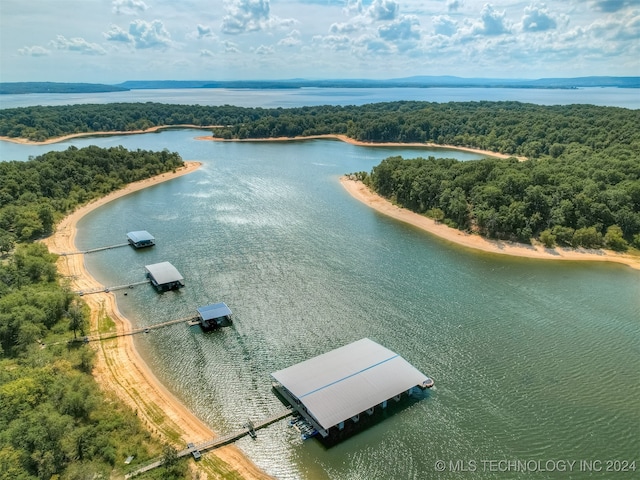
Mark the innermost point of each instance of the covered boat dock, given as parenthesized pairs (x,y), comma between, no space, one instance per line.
(214,316)
(164,276)
(339,391)
(141,239)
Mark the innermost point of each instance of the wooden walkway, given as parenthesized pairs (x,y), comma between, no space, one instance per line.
(111,289)
(108,247)
(214,443)
(147,329)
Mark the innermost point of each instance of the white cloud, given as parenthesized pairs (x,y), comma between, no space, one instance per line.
(333,42)
(444,25)
(129,7)
(34,51)
(230,47)
(264,50)
(290,40)
(206,53)
(77,44)
(537,19)
(341,28)
(141,34)
(491,22)
(116,34)
(148,35)
(250,16)
(405,28)
(384,9)
(630,29)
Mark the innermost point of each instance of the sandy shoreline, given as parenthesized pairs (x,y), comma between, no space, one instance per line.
(24,141)
(119,368)
(351,141)
(343,138)
(361,192)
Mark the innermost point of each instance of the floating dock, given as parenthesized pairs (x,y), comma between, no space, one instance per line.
(164,276)
(141,239)
(338,392)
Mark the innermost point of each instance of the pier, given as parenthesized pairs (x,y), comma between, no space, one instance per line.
(111,289)
(249,428)
(108,247)
(147,329)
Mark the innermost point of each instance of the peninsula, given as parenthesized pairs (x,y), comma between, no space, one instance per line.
(361,192)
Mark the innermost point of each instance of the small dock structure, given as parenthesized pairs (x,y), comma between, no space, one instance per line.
(214,316)
(164,276)
(141,239)
(344,390)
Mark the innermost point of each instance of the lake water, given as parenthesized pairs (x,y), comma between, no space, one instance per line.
(534,361)
(605,96)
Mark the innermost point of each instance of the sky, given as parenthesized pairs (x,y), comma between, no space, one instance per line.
(111,41)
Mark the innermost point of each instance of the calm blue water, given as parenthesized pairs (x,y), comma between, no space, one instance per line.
(533,360)
(607,96)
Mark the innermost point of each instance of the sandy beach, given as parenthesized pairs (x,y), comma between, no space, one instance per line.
(24,141)
(120,369)
(361,192)
(344,138)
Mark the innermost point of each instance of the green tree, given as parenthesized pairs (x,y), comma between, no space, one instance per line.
(547,238)
(77,318)
(614,239)
(587,237)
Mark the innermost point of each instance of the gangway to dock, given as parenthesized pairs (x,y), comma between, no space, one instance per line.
(214,443)
(111,289)
(92,250)
(147,329)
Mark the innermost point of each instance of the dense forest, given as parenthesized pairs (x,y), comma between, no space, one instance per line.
(579,186)
(576,200)
(37,193)
(507,127)
(54,420)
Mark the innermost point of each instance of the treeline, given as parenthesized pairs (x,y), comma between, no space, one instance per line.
(577,200)
(508,127)
(36,193)
(55,422)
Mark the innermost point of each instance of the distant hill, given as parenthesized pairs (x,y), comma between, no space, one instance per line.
(7,88)
(413,82)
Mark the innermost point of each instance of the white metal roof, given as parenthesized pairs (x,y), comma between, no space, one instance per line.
(164,273)
(215,310)
(140,235)
(344,382)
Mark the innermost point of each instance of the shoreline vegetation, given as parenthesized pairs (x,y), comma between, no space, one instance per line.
(119,367)
(71,136)
(361,192)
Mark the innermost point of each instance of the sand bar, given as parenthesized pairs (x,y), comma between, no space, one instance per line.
(361,192)
(119,368)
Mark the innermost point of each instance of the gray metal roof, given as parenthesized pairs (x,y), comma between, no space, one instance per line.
(344,382)
(215,310)
(164,273)
(140,236)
